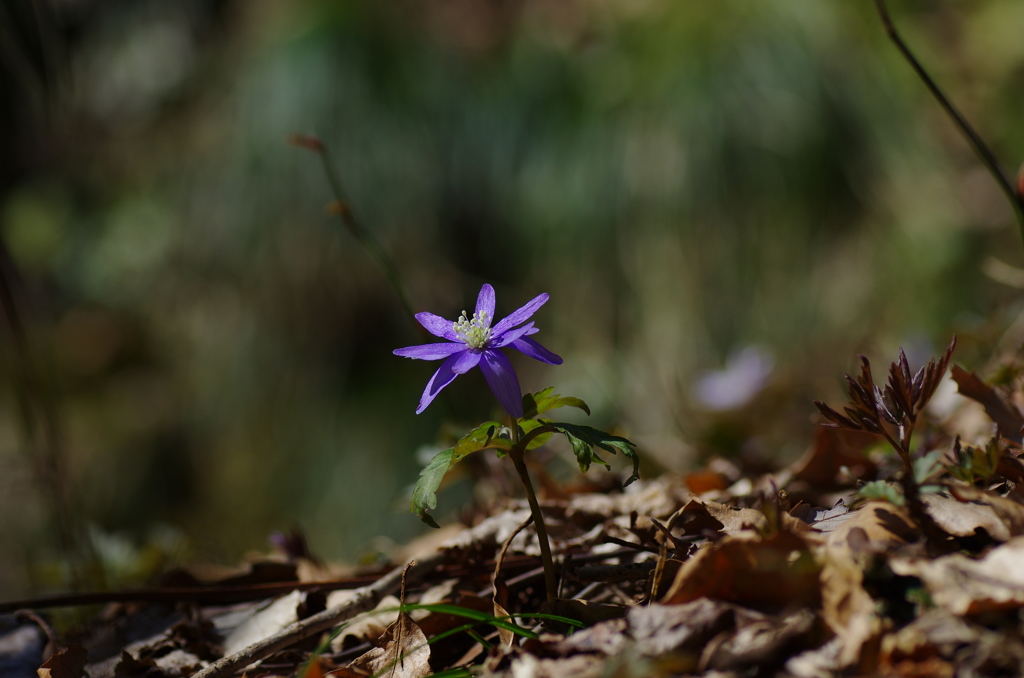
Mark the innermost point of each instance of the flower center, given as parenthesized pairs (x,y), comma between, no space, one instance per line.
(474,333)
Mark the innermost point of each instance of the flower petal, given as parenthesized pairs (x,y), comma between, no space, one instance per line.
(536,351)
(521,315)
(437,326)
(485,303)
(444,376)
(503,381)
(429,351)
(510,336)
(466,362)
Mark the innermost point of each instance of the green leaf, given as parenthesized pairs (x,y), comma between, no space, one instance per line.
(976,463)
(583,440)
(926,466)
(527,425)
(469,613)
(424,495)
(488,435)
(881,490)
(535,404)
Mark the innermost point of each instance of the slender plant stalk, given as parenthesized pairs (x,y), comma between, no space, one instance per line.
(342,208)
(518,453)
(41,438)
(986,155)
(934,536)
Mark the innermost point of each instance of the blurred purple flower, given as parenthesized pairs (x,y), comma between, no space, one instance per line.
(744,376)
(473,341)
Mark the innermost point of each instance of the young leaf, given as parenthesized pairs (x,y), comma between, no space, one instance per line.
(535,404)
(584,451)
(976,463)
(881,490)
(926,466)
(424,497)
(488,435)
(583,440)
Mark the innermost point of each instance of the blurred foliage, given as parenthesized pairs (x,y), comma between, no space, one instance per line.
(687,180)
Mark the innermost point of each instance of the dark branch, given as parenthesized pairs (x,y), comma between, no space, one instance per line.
(980,147)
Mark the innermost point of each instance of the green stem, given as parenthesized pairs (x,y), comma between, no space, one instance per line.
(518,453)
(984,153)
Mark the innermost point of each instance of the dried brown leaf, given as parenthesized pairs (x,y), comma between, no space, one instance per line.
(1009,511)
(663,629)
(68,663)
(705,481)
(961,585)
(732,519)
(404,652)
(760,642)
(736,569)
(846,607)
(877,526)
(1011,467)
(925,645)
(505,636)
(822,519)
(834,449)
(577,666)
(369,626)
(1006,416)
(939,644)
(964,518)
(264,622)
(607,638)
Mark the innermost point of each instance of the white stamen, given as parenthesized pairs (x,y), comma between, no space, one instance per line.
(475,332)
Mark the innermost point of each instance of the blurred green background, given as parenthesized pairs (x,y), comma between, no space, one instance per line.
(759,187)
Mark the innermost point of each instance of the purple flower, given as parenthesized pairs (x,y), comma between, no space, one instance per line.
(473,341)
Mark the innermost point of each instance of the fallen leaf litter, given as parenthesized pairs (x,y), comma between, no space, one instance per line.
(665,579)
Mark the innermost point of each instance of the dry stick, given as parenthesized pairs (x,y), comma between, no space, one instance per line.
(498,585)
(204,595)
(400,626)
(980,147)
(504,549)
(363,600)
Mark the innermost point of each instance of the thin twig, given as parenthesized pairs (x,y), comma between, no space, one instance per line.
(40,432)
(614,573)
(504,549)
(44,625)
(629,544)
(986,155)
(363,600)
(342,208)
(204,595)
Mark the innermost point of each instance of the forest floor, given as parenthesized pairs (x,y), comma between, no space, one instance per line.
(860,559)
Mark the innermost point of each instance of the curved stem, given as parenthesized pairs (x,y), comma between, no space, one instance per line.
(986,155)
(344,210)
(518,453)
(364,236)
